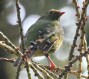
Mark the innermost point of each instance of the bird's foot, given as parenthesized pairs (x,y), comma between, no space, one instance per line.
(52,65)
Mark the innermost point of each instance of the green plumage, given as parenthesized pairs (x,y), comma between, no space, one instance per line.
(46,33)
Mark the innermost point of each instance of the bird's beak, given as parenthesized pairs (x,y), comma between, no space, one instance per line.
(61,13)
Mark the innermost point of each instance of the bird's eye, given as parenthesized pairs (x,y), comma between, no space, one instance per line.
(50,12)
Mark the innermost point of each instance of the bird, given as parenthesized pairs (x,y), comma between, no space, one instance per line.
(45,36)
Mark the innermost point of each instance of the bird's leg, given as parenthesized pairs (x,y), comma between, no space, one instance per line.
(48,47)
(52,65)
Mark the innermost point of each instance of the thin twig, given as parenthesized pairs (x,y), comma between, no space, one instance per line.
(7,48)
(76,35)
(20,26)
(80,24)
(18,70)
(36,71)
(28,70)
(12,60)
(50,72)
(82,36)
(58,70)
(85,43)
(8,42)
(47,70)
(77,32)
(67,68)
(43,71)
(71,72)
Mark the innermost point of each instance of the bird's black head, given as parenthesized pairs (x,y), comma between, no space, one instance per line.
(54,14)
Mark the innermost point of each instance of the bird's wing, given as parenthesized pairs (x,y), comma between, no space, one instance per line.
(37,30)
(42,32)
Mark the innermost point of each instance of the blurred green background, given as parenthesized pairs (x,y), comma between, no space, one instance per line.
(31,11)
